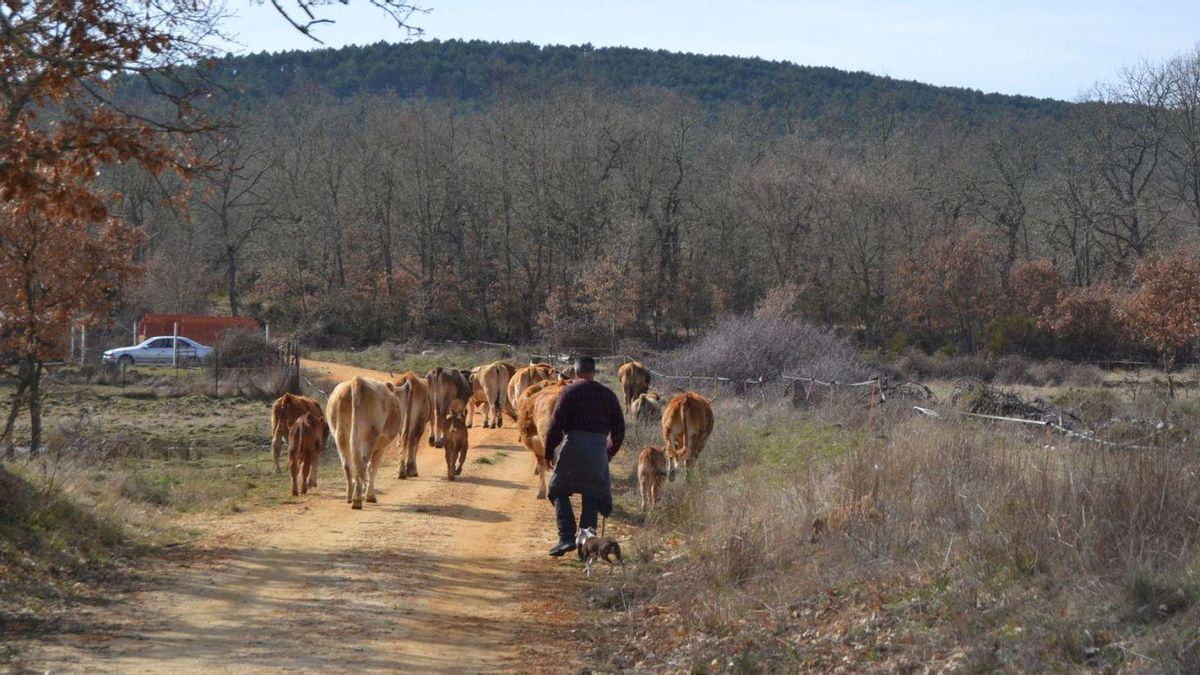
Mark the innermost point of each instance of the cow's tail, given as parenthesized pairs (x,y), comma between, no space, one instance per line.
(355,457)
(498,405)
(683,422)
(406,429)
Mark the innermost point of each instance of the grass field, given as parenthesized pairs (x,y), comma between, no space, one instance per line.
(993,551)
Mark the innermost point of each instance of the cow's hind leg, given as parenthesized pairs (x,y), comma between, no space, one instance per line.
(410,455)
(373,469)
(541,470)
(359,469)
(462,459)
(294,469)
(403,455)
(276,442)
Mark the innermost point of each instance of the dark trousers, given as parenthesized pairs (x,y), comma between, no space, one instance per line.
(566,516)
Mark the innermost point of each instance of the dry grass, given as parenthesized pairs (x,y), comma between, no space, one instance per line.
(995,551)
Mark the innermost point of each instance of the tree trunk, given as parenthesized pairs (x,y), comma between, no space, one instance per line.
(231,280)
(10,450)
(35,406)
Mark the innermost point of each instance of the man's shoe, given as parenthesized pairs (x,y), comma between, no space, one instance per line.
(562,549)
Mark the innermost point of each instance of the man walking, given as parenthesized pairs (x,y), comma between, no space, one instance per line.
(589,415)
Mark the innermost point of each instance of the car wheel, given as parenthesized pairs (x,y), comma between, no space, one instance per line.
(125,361)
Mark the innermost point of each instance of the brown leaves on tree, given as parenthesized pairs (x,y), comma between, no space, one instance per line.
(61,255)
(1165,310)
(952,287)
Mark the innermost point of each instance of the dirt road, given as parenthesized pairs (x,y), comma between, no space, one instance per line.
(438,576)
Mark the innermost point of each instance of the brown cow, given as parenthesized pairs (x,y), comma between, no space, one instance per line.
(365,416)
(416,404)
(478,397)
(647,407)
(533,423)
(445,385)
(526,377)
(635,381)
(686,423)
(652,469)
(285,411)
(493,378)
(456,439)
(306,439)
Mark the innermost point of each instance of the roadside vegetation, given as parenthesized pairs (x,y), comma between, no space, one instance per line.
(994,547)
(124,472)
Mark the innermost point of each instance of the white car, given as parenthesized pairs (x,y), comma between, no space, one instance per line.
(157,351)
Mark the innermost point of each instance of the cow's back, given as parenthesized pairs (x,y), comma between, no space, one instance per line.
(362,409)
(534,413)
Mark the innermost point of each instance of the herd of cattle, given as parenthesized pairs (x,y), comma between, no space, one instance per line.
(365,416)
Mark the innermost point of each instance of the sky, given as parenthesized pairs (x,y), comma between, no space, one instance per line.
(1047,48)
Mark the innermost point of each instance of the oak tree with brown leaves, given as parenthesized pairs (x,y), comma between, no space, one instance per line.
(61,254)
(1165,309)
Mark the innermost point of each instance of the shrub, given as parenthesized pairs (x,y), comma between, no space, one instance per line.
(917,365)
(244,349)
(744,348)
(1019,335)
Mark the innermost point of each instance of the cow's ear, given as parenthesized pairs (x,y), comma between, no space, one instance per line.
(391,387)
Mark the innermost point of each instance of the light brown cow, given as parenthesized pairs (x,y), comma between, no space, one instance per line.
(445,385)
(533,423)
(526,377)
(686,423)
(416,404)
(635,381)
(647,407)
(365,416)
(456,439)
(478,397)
(494,378)
(306,440)
(286,410)
(652,469)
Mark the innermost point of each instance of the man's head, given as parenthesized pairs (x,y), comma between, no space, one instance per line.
(585,367)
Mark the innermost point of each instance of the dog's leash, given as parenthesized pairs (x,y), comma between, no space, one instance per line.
(603,522)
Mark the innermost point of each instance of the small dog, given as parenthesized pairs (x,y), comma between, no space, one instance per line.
(592,548)
(868,507)
(652,469)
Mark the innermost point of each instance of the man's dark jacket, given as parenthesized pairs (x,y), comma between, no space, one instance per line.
(589,415)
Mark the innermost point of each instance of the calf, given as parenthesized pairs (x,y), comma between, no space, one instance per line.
(284,412)
(456,440)
(446,385)
(652,469)
(647,407)
(306,438)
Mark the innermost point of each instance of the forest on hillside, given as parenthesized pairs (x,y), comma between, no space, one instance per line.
(475,72)
(583,211)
